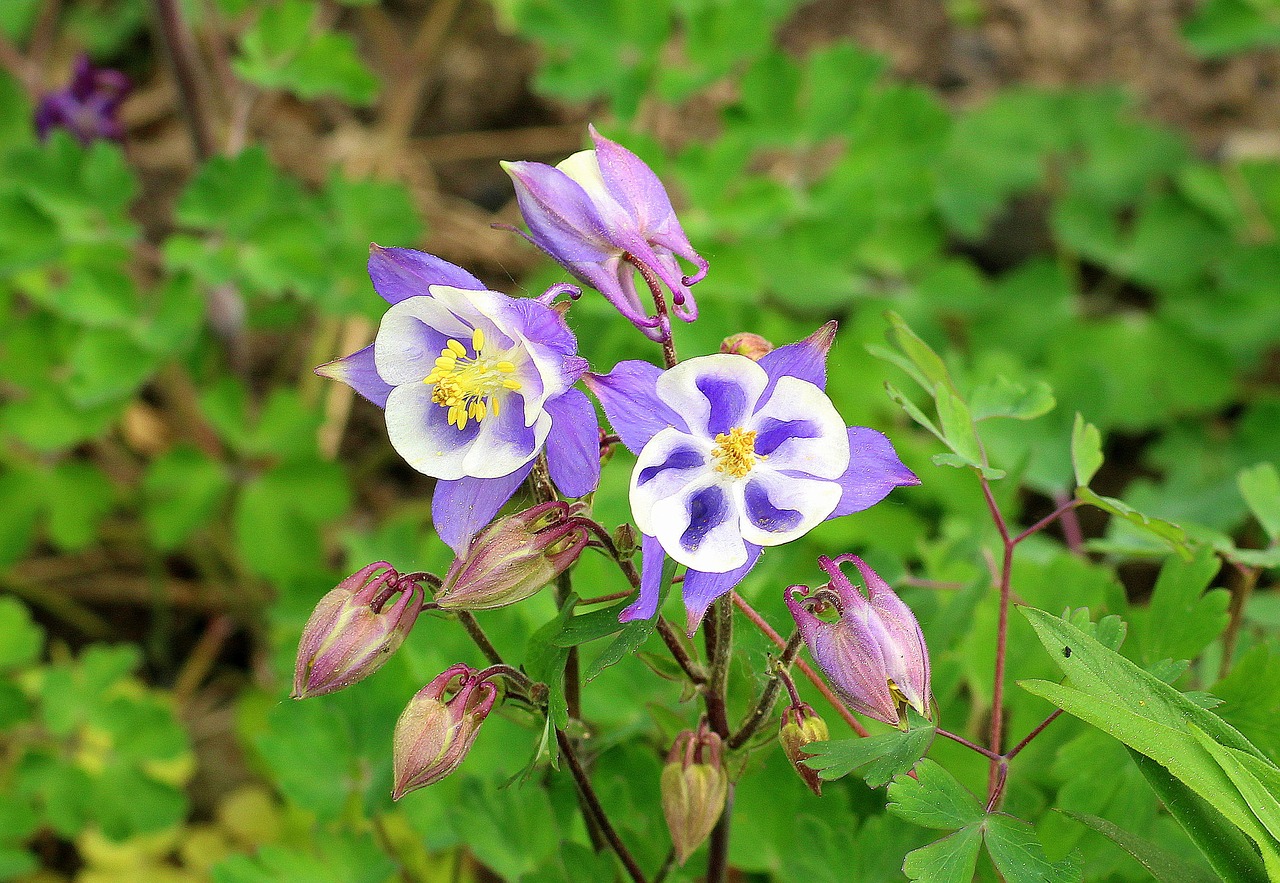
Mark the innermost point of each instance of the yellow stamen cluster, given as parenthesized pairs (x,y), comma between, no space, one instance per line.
(735,451)
(466,386)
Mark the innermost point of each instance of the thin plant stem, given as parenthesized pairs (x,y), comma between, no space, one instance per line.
(1013,752)
(718,844)
(572,666)
(1071,530)
(1240,592)
(761,711)
(996,774)
(985,752)
(660,304)
(820,685)
(179,50)
(1040,525)
(719,637)
(478,636)
(591,802)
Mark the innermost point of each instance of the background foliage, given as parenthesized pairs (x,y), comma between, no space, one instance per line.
(179,490)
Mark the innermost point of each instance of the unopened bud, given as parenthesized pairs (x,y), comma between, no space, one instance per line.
(744,343)
(513,558)
(801,726)
(354,630)
(874,652)
(694,789)
(434,734)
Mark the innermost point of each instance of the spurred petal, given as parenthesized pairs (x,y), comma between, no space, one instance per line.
(629,396)
(805,359)
(460,508)
(634,186)
(573,447)
(359,372)
(651,561)
(874,470)
(700,589)
(562,219)
(401,273)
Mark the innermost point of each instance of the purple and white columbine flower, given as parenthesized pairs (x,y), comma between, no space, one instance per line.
(735,455)
(603,213)
(474,384)
(86,107)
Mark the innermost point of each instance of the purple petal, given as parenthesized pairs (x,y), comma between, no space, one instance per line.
(874,470)
(709,508)
(805,359)
(651,561)
(762,512)
(358,372)
(700,589)
(573,447)
(461,508)
(628,394)
(562,219)
(729,403)
(633,185)
(401,273)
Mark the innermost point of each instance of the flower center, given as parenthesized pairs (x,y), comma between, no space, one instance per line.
(466,386)
(735,451)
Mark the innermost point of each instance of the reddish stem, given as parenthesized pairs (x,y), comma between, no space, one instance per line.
(995,776)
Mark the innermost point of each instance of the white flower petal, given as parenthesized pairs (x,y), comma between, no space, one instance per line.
(714,393)
(667,464)
(411,336)
(799,429)
(778,508)
(699,526)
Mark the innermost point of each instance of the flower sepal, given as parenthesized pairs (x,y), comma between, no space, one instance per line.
(434,734)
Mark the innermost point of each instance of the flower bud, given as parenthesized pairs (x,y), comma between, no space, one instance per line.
(800,726)
(513,558)
(873,652)
(744,343)
(353,630)
(694,789)
(433,734)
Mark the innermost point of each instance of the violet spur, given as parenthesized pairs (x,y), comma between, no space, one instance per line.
(475,384)
(735,455)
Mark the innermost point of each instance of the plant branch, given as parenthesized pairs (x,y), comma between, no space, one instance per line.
(718,632)
(477,634)
(769,696)
(985,752)
(1040,525)
(1247,579)
(998,770)
(180,52)
(660,304)
(1036,732)
(591,802)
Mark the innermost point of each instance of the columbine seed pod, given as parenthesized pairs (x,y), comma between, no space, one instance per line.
(874,652)
(513,558)
(694,789)
(744,343)
(801,726)
(353,631)
(433,735)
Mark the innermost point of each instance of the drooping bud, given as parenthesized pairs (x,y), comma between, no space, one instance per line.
(801,726)
(354,630)
(744,343)
(513,558)
(434,734)
(873,652)
(694,788)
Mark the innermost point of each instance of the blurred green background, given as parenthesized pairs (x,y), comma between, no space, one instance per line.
(1079,195)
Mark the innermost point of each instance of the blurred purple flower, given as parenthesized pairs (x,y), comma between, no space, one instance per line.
(474,384)
(873,652)
(86,107)
(735,455)
(602,214)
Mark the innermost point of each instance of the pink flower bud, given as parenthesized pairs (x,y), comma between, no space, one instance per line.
(513,558)
(433,734)
(873,652)
(744,343)
(694,789)
(800,726)
(354,630)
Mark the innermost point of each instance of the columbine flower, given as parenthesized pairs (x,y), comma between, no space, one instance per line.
(354,629)
(433,735)
(513,558)
(85,107)
(736,455)
(474,384)
(602,214)
(874,652)
(694,789)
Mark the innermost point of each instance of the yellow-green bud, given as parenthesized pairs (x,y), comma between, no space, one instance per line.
(694,789)
(801,726)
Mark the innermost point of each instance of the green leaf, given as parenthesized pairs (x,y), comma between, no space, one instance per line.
(953,859)
(1257,780)
(1164,866)
(1172,534)
(634,633)
(1016,852)
(1004,398)
(929,363)
(106,365)
(182,490)
(80,496)
(1183,618)
(876,758)
(933,799)
(1260,487)
(23,639)
(283,50)
(1229,852)
(1224,27)
(1086,451)
(957,426)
